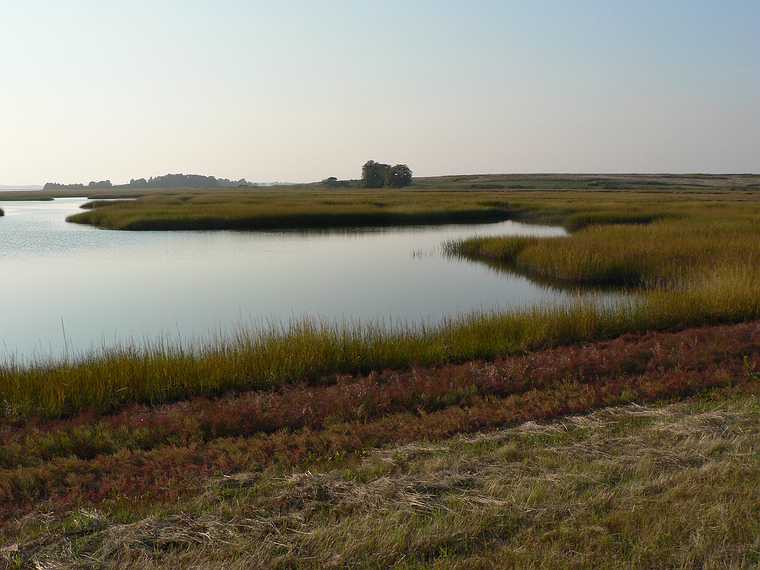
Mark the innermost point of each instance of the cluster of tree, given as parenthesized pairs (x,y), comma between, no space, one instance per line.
(187,181)
(377,175)
(167,181)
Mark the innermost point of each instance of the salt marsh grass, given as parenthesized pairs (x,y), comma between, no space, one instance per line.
(688,240)
(693,259)
(290,210)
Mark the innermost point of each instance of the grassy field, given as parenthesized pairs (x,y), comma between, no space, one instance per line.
(319,445)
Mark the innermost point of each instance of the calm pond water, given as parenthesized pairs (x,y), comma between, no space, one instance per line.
(104,287)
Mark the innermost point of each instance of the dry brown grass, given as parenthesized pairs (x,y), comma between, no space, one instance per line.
(672,486)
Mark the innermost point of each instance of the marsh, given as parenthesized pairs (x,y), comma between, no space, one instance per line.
(74,287)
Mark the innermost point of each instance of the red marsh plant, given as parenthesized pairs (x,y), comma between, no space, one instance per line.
(564,381)
(348,398)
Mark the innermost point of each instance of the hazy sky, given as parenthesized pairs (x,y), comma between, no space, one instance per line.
(301,90)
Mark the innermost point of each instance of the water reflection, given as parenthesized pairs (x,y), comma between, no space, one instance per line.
(105,286)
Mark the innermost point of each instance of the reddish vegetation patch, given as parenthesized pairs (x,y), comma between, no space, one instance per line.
(164,452)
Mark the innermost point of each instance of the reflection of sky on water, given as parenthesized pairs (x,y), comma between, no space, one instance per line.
(106,286)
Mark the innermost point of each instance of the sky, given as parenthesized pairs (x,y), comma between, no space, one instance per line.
(303,90)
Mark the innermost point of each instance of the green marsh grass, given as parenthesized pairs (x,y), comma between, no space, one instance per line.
(663,253)
(575,202)
(291,210)
(92,204)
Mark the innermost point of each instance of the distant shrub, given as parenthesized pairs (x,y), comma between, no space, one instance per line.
(333,182)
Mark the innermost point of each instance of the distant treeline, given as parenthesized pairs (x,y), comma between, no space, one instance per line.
(188,181)
(92,184)
(166,181)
